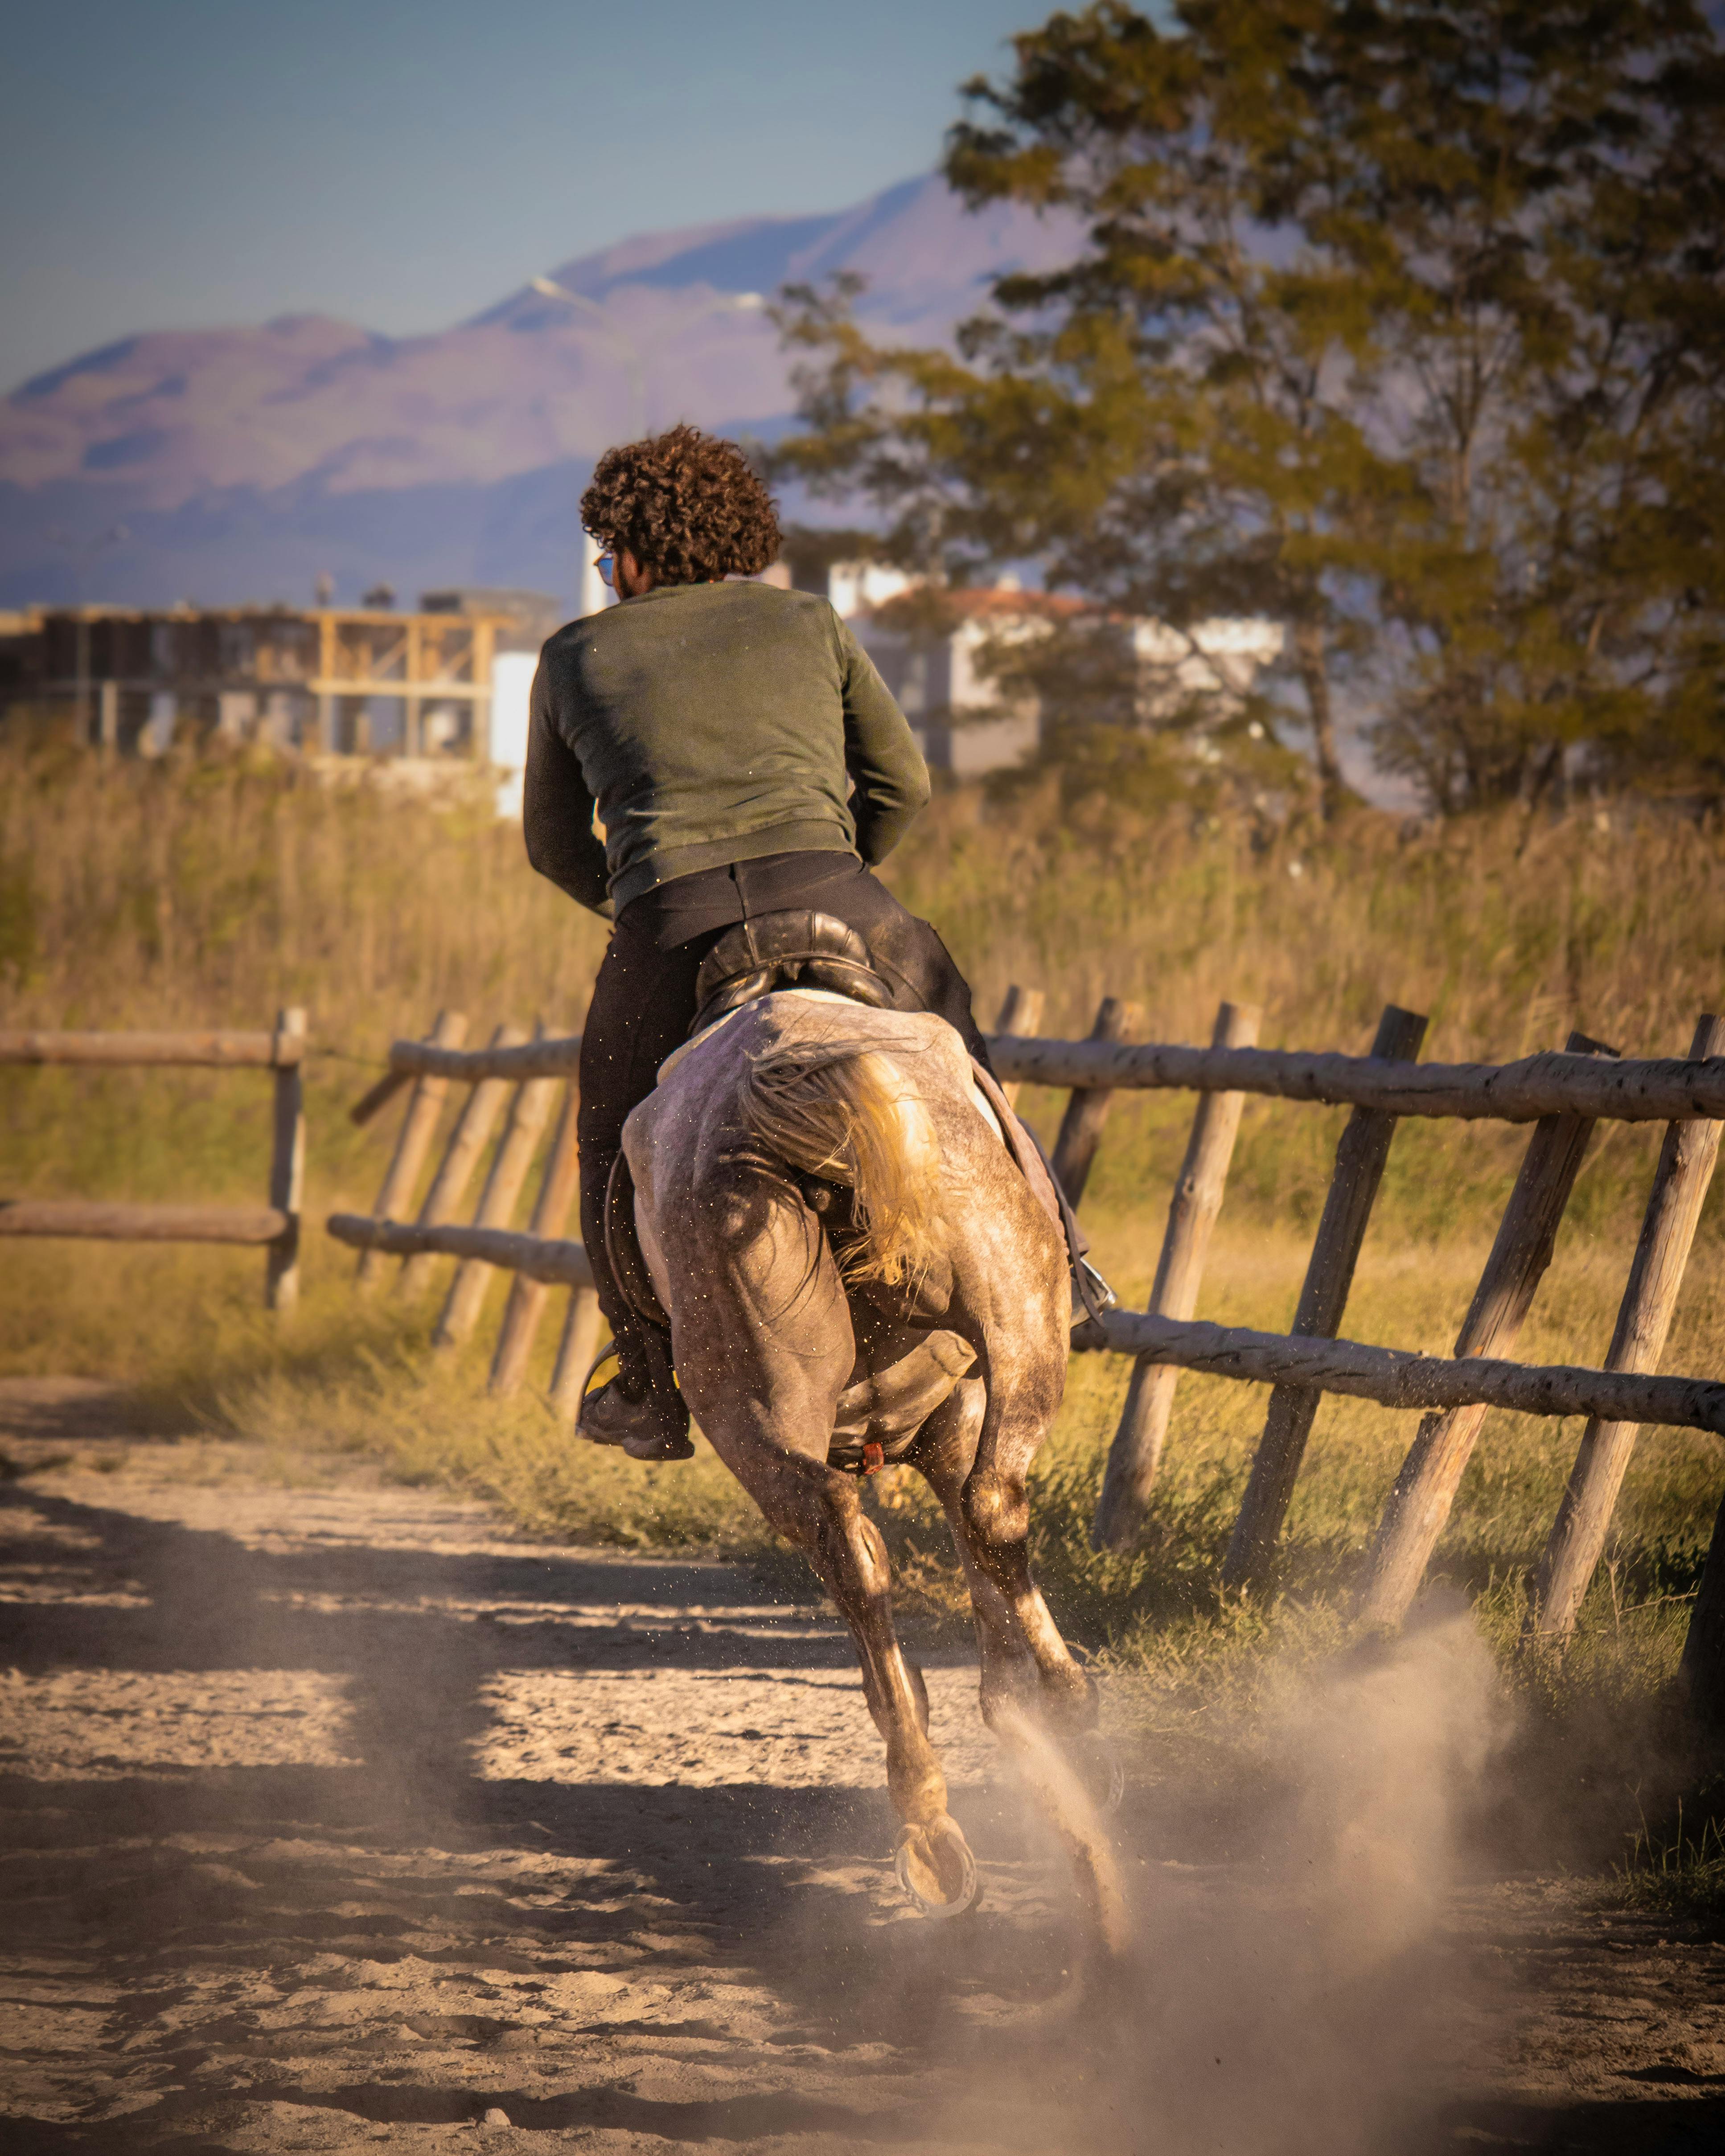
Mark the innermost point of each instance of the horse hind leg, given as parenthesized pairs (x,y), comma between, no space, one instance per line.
(944,1455)
(1062,1793)
(932,1859)
(817,1509)
(1039,1704)
(995,1514)
(1023,1653)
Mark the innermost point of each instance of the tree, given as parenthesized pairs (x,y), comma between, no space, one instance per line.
(1400,324)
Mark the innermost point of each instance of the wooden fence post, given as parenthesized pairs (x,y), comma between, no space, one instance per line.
(1020,1016)
(1136,1454)
(528,1112)
(1087,1105)
(577,1351)
(1644,1318)
(287,1170)
(1418,1505)
(527,1298)
(467,1141)
(1361,1154)
(413,1142)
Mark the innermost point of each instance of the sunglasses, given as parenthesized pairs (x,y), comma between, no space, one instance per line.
(607,566)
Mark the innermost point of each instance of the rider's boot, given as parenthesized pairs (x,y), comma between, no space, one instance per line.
(641,1409)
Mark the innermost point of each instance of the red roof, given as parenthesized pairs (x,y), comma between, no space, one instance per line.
(976,603)
(1002,600)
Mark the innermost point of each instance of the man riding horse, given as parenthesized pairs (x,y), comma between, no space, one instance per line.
(744,759)
(822,1198)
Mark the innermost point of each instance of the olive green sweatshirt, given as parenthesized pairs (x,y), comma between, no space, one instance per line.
(709,724)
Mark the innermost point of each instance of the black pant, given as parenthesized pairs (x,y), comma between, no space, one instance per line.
(644,1003)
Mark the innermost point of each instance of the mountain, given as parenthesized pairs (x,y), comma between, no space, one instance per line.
(244,462)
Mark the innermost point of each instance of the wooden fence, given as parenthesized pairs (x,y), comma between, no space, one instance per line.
(1563,1096)
(519,1081)
(275,1225)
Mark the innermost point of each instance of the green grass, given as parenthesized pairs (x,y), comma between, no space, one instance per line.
(1678,1870)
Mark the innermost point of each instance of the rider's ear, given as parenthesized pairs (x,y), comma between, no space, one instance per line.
(633,578)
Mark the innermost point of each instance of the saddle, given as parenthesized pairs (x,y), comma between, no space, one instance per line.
(804,949)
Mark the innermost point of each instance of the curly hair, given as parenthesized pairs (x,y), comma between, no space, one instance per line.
(685,504)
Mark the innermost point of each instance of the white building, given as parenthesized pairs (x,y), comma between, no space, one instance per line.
(933,657)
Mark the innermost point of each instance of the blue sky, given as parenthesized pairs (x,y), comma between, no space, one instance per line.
(402,163)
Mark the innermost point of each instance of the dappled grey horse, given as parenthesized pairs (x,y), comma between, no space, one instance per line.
(859,1255)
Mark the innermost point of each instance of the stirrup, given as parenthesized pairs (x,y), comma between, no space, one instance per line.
(1100,1296)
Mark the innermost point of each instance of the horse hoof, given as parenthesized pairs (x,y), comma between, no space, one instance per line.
(1098,1766)
(936,1869)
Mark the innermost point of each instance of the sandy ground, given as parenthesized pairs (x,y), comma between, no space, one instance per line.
(338,1818)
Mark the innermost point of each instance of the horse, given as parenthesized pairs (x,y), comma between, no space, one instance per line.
(858,1253)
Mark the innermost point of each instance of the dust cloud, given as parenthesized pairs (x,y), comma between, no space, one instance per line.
(1294,1994)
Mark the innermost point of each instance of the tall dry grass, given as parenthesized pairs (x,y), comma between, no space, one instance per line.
(208,891)
(1505,929)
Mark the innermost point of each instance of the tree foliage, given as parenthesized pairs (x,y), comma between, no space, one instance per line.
(1401,324)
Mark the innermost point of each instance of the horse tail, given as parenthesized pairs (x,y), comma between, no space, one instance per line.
(842,1110)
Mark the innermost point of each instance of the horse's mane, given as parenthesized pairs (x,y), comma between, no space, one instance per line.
(841,1109)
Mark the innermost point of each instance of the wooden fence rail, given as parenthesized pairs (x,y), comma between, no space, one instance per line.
(541,1258)
(275,1226)
(467,1143)
(1649,1089)
(1686,1166)
(1420,1504)
(228,1051)
(413,1142)
(1397,1378)
(527,1114)
(527,1295)
(1361,1157)
(552,1058)
(1087,1106)
(514,1080)
(1135,1457)
(95,1220)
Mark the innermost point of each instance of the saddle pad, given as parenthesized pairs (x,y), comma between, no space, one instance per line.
(711,1032)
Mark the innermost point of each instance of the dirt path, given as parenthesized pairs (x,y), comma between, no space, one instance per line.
(336,1816)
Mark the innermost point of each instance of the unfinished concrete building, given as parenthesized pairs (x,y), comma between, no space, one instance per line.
(340,681)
